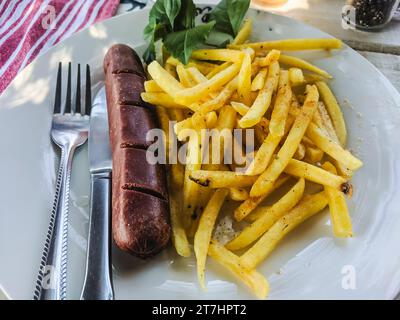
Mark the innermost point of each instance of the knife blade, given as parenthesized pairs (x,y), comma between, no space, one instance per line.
(99,141)
(98,279)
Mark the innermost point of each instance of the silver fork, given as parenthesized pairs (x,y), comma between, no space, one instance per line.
(69,130)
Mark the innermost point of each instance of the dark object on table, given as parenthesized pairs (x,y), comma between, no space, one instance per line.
(140,215)
(373,14)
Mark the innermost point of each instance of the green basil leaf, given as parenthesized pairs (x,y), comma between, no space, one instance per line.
(220,15)
(219,39)
(229,15)
(181,44)
(186,16)
(237,10)
(165,11)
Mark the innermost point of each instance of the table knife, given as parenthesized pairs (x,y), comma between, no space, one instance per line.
(98,278)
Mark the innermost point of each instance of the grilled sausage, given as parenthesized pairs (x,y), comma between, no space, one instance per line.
(140,217)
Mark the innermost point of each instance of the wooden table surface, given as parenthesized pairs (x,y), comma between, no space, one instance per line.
(381,48)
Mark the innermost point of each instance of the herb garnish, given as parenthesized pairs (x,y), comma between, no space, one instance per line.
(173,22)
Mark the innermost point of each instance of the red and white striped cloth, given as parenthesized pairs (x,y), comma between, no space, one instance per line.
(30,27)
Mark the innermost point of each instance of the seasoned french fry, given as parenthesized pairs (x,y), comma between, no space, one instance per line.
(244,32)
(196,75)
(240,108)
(211,120)
(190,188)
(313,155)
(218,55)
(296,133)
(340,218)
(296,76)
(179,238)
(255,281)
(326,144)
(171,69)
(282,105)
(300,152)
(328,126)
(164,80)
(184,76)
(161,99)
(259,80)
(251,203)
(244,79)
(237,194)
(151,86)
(268,217)
(264,98)
(292,45)
(221,99)
(264,155)
(203,66)
(221,179)
(334,111)
(202,237)
(309,206)
(272,56)
(300,63)
(218,69)
(315,174)
(190,95)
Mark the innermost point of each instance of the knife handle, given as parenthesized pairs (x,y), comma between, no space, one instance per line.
(98,279)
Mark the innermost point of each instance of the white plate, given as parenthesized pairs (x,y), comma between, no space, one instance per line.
(309,263)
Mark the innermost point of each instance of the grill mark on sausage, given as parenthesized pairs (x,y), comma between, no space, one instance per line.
(132,187)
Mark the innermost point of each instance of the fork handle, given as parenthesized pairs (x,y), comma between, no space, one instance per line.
(51,281)
(98,280)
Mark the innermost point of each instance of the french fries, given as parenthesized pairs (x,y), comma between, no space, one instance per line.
(190,95)
(161,99)
(190,188)
(218,55)
(292,45)
(272,56)
(340,217)
(268,217)
(282,105)
(295,124)
(259,80)
(244,32)
(264,98)
(296,77)
(334,111)
(163,79)
(266,180)
(252,202)
(331,148)
(237,194)
(300,63)
(244,79)
(202,237)
(309,206)
(255,281)
(221,179)
(179,238)
(151,86)
(315,174)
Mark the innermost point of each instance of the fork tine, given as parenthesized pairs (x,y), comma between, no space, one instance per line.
(57,100)
(88,98)
(77,108)
(67,108)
